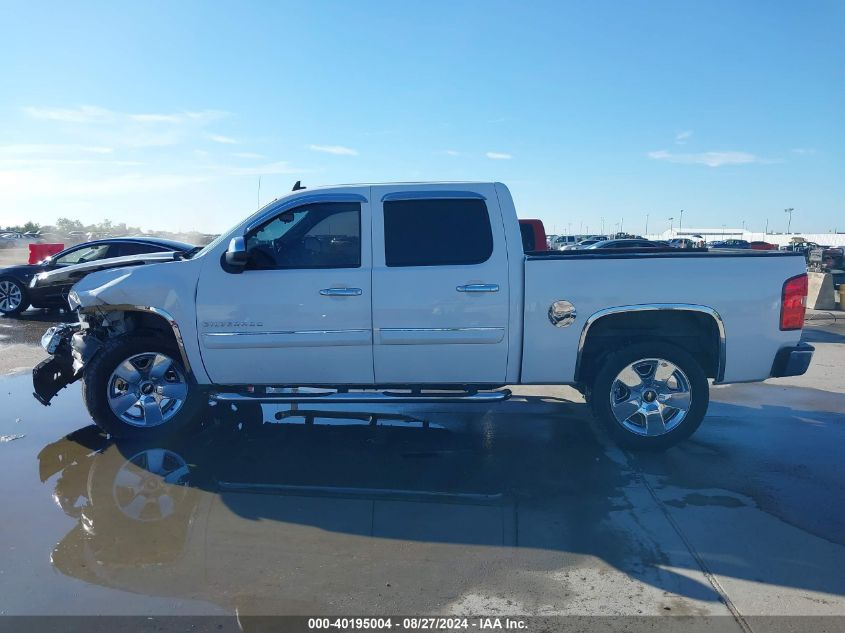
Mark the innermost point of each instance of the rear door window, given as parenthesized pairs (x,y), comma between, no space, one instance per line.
(436,232)
(136,248)
(85,254)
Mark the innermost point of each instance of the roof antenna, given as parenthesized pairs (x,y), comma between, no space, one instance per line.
(297,186)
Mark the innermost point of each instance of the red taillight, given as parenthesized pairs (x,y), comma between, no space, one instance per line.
(793,303)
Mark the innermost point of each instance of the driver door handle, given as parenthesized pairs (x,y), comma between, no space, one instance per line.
(478,288)
(341,292)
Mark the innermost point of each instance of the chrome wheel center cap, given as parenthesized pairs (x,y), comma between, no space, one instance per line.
(649,395)
(147,388)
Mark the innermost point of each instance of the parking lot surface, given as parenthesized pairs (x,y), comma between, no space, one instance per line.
(522,507)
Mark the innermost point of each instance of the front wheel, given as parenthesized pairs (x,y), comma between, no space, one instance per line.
(13,296)
(650,395)
(136,387)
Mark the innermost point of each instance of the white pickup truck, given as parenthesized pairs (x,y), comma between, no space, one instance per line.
(423,293)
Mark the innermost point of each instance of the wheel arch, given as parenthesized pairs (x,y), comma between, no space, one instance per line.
(149,319)
(679,323)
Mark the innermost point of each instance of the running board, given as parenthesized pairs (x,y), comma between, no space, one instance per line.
(364,397)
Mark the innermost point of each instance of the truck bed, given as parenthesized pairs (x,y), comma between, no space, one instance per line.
(743,287)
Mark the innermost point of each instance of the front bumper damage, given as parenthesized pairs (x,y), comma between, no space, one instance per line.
(69,350)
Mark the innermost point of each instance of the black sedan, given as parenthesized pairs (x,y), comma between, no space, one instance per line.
(16,295)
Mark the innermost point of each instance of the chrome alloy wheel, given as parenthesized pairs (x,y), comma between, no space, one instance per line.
(144,486)
(651,397)
(10,296)
(147,389)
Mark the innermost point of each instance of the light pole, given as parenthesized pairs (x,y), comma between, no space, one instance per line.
(681,221)
(646,224)
(602,226)
(767,226)
(670,225)
(789,224)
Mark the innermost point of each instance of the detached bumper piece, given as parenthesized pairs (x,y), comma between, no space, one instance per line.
(51,376)
(792,361)
(57,372)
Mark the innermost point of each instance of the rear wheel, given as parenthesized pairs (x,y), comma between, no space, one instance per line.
(137,387)
(13,296)
(650,395)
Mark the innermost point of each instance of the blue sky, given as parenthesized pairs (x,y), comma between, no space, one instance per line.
(165,114)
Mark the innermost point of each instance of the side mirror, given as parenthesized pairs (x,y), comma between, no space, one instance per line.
(236,255)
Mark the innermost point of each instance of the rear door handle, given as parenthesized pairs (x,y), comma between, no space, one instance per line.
(478,288)
(341,292)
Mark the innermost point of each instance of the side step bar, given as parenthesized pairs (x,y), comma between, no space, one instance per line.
(364,397)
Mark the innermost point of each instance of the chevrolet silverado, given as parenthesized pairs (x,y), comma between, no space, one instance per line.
(423,293)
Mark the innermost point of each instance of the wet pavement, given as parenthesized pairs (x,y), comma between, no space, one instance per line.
(521,507)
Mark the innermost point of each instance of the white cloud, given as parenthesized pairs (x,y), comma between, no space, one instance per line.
(498,156)
(247,155)
(21,184)
(682,137)
(710,159)
(803,151)
(280,167)
(226,140)
(101,126)
(82,114)
(451,152)
(47,149)
(338,150)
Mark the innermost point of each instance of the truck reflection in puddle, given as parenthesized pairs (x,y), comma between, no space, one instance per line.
(341,511)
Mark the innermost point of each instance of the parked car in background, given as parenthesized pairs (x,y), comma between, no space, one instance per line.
(763,246)
(584,243)
(682,242)
(563,241)
(626,243)
(533,235)
(16,294)
(742,244)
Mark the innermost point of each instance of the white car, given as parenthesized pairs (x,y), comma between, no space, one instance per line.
(422,293)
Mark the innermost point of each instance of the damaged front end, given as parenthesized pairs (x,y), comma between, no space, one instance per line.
(70,346)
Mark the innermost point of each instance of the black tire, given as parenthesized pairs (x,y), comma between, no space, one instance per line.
(602,393)
(153,531)
(24,304)
(96,386)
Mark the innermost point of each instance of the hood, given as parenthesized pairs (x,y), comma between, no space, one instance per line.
(22,270)
(77,271)
(159,284)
